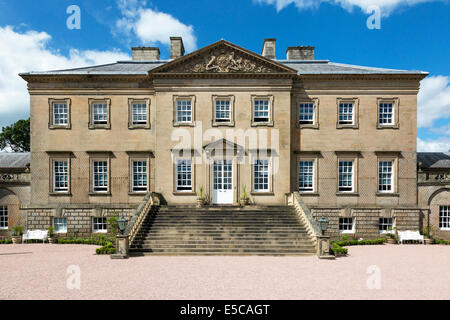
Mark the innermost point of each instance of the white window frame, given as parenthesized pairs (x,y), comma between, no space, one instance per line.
(53,103)
(303,105)
(222,104)
(444,217)
(104,108)
(55,174)
(343,221)
(142,108)
(381,111)
(346,114)
(99,221)
(188,114)
(384,225)
(185,173)
(255,104)
(261,164)
(381,179)
(136,186)
(57,105)
(59,222)
(312,173)
(100,188)
(342,189)
(96,123)
(4,217)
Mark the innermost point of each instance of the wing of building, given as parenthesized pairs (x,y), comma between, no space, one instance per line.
(224,119)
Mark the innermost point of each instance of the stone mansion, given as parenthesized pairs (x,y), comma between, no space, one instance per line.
(228,121)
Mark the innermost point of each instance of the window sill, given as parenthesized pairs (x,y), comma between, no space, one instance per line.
(387,194)
(262,193)
(56,127)
(311,194)
(387,126)
(183,124)
(60,194)
(101,194)
(308,126)
(347,194)
(262,124)
(187,193)
(347,126)
(223,124)
(100,126)
(136,126)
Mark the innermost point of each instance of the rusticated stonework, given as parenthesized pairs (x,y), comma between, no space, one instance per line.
(224,60)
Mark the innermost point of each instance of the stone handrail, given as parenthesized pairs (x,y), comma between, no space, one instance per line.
(305,216)
(140,214)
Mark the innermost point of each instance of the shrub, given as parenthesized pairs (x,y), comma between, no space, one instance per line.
(17,230)
(5,241)
(337,246)
(106,249)
(337,250)
(440,241)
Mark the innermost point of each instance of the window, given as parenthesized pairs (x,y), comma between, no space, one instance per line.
(60,225)
(385,176)
(261,110)
(306,113)
(346,115)
(345,176)
(386,113)
(386,225)
(184,175)
(139,113)
(261,176)
(444,217)
(99,113)
(99,225)
(346,225)
(139,176)
(60,114)
(100,176)
(60,176)
(223,110)
(184,111)
(306,176)
(3,217)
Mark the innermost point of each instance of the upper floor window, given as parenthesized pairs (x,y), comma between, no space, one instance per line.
(3,217)
(184,175)
(306,113)
(262,110)
(261,175)
(306,176)
(223,110)
(139,178)
(60,176)
(59,113)
(444,217)
(346,176)
(385,176)
(184,110)
(348,113)
(139,113)
(387,113)
(99,111)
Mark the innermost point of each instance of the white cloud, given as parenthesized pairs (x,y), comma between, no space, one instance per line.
(30,51)
(434,145)
(386,6)
(433,101)
(151,26)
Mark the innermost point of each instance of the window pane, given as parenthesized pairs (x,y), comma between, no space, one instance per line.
(3,217)
(261,175)
(346,113)
(386,224)
(59,114)
(99,113)
(444,217)
(346,224)
(306,113)
(306,176)
(99,224)
(139,113)
(60,224)
(261,110)
(385,176)
(100,172)
(184,111)
(386,113)
(139,175)
(60,176)
(184,175)
(345,175)
(223,111)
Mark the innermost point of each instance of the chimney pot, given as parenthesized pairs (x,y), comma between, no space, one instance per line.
(145,53)
(176,47)
(300,53)
(268,49)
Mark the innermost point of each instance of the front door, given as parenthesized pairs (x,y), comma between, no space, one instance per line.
(222,181)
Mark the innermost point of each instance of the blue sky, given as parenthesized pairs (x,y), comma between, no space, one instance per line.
(414,35)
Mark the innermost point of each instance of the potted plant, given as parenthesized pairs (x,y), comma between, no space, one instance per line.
(245,199)
(428,235)
(51,235)
(391,237)
(17,234)
(201,199)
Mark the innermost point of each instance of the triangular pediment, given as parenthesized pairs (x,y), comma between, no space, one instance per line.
(223,144)
(222,57)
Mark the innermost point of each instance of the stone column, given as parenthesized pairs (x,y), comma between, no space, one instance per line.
(323,247)
(122,247)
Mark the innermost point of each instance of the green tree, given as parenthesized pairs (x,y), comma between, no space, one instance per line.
(16,136)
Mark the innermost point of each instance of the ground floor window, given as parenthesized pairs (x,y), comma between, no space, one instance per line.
(3,217)
(386,225)
(346,225)
(261,176)
(444,217)
(99,225)
(60,225)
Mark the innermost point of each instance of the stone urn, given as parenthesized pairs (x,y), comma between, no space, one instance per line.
(16,239)
(52,240)
(391,241)
(429,241)
(201,202)
(244,202)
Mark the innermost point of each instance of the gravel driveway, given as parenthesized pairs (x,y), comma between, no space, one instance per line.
(40,271)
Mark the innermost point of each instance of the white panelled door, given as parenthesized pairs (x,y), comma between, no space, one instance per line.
(222,181)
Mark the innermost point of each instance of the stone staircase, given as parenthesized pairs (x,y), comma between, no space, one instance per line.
(225,230)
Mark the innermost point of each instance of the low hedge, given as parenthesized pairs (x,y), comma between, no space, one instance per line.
(6,241)
(440,241)
(106,249)
(338,250)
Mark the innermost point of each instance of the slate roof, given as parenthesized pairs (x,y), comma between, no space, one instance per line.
(14,159)
(434,160)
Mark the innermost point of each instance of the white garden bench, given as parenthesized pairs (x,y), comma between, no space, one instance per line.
(409,235)
(35,235)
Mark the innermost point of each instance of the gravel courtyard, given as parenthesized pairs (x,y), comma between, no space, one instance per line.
(39,271)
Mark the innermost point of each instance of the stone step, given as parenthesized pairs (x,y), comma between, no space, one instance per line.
(220,237)
(251,251)
(224,242)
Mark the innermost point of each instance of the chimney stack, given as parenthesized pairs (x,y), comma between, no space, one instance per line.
(300,53)
(176,47)
(268,49)
(145,53)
